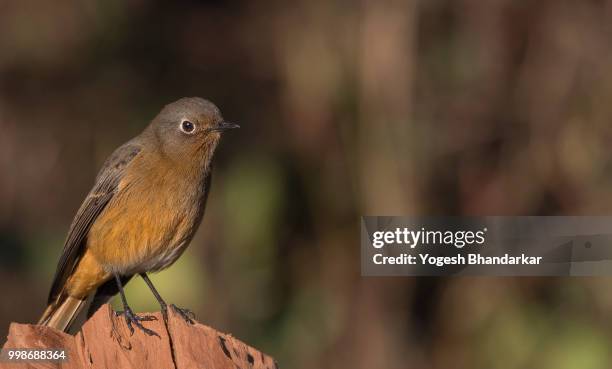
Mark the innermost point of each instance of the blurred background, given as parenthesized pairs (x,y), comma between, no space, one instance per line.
(347,108)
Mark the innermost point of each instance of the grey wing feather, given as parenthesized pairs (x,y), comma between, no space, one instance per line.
(104,189)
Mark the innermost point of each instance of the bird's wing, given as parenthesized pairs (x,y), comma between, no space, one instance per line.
(103,191)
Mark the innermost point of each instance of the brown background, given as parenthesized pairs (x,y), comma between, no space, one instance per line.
(497,107)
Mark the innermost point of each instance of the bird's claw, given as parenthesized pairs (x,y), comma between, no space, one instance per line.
(186,314)
(133,319)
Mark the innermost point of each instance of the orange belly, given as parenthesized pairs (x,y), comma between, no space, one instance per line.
(144,228)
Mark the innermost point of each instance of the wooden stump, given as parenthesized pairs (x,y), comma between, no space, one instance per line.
(105,342)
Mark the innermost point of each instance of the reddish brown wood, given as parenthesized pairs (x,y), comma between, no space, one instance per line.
(105,342)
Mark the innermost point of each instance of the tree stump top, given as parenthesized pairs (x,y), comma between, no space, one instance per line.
(105,342)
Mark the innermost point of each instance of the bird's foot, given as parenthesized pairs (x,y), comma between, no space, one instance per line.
(186,314)
(133,319)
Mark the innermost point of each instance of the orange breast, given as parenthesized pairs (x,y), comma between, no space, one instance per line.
(149,222)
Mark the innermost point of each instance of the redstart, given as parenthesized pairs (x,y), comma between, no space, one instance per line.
(143,210)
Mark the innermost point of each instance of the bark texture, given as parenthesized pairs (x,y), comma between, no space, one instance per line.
(105,342)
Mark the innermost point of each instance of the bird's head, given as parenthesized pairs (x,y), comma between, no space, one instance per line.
(189,128)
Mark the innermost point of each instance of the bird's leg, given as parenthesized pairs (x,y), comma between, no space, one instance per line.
(160,300)
(185,313)
(130,317)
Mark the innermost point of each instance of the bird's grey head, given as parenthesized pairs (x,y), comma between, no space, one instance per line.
(189,126)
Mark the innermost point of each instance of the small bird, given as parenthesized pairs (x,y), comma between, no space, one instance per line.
(143,210)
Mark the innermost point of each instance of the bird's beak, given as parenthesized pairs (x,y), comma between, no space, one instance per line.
(223,126)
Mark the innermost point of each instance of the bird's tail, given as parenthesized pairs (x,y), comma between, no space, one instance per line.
(62,312)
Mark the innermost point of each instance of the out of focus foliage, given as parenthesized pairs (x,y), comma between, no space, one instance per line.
(497,107)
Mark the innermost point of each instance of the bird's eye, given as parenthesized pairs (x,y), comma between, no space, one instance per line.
(187,127)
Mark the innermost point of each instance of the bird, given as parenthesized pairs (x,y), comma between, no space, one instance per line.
(145,206)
